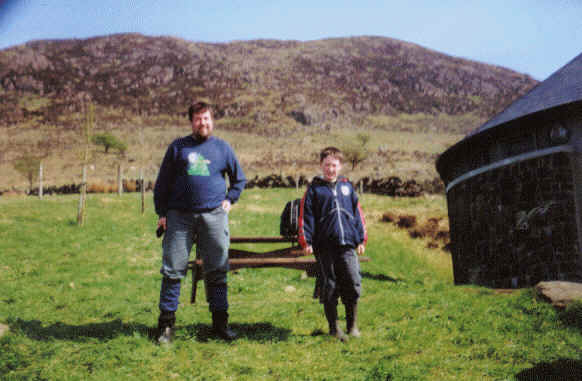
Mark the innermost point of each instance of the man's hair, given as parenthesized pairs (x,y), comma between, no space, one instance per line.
(334,152)
(197,108)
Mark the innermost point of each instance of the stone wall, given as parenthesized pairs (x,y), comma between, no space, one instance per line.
(515,225)
(391,186)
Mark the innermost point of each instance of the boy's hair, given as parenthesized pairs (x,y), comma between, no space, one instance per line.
(334,152)
(197,108)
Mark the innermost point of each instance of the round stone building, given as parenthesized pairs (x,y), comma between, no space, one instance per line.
(514,189)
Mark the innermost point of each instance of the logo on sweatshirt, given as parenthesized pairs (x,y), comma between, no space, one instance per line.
(345,190)
(198,165)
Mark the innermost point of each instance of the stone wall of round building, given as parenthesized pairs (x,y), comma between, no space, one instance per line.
(514,197)
(515,225)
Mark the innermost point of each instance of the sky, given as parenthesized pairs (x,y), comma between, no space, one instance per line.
(535,37)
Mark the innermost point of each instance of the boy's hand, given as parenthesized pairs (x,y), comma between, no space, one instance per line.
(308,250)
(361,249)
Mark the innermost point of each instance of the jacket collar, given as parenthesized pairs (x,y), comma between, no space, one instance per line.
(319,180)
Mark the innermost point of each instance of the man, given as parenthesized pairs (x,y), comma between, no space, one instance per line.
(192,203)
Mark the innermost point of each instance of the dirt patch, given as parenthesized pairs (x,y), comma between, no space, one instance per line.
(406,221)
(389,217)
(432,230)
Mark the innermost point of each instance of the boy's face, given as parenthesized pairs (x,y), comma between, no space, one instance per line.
(331,167)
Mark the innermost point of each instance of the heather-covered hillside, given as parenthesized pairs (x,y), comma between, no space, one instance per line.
(263,81)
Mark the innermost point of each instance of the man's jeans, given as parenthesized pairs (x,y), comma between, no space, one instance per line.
(209,230)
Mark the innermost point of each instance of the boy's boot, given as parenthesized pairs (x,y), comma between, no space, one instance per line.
(330,310)
(166,323)
(352,319)
(220,326)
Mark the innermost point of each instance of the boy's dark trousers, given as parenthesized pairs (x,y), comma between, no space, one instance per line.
(339,272)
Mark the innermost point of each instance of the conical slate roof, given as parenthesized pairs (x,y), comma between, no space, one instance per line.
(560,88)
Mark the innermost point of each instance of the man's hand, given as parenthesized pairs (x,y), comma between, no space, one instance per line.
(308,250)
(161,227)
(226,205)
(361,249)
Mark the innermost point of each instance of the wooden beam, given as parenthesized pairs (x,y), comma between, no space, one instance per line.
(262,239)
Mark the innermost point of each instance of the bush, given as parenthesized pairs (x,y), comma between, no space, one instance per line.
(28,166)
(357,152)
(109,141)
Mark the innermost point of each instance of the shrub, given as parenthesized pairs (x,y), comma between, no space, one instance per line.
(357,152)
(109,141)
(28,166)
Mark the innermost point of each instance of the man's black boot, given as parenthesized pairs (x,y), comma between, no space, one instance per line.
(220,326)
(331,316)
(352,319)
(166,323)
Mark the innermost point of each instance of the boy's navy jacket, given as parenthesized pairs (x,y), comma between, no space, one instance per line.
(331,216)
(191,177)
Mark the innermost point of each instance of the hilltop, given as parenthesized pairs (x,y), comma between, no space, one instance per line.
(312,82)
(261,88)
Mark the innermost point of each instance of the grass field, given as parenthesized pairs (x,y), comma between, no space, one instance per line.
(81,302)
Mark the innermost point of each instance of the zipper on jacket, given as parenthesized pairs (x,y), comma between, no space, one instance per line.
(339,213)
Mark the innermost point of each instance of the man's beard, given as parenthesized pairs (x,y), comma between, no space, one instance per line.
(202,138)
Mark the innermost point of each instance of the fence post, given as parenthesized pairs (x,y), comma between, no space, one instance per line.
(119,180)
(82,196)
(142,190)
(40,180)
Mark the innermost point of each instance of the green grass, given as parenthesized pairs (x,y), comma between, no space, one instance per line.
(80,303)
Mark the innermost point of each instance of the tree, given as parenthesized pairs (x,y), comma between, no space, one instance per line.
(27,165)
(357,152)
(109,141)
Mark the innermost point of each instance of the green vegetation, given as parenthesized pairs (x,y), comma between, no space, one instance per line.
(109,141)
(80,303)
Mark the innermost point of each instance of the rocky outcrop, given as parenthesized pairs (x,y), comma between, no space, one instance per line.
(559,293)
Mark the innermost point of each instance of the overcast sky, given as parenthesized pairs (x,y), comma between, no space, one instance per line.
(535,37)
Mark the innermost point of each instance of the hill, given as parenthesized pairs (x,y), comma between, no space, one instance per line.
(312,82)
(267,88)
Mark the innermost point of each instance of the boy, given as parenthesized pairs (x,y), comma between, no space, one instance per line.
(331,224)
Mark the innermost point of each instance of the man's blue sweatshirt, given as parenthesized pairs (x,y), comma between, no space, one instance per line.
(192,176)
